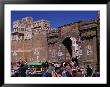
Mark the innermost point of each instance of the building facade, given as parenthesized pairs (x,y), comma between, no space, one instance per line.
(36,40)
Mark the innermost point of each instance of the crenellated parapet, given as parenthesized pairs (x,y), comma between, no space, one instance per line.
(88,29)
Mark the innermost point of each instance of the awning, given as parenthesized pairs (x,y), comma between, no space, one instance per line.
(34,63)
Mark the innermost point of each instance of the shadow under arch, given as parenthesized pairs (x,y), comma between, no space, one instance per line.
(67,42)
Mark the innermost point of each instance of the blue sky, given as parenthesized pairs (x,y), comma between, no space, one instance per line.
(57,18)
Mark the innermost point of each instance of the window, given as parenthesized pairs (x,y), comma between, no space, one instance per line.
(89,50)
(80,51)
(53,53)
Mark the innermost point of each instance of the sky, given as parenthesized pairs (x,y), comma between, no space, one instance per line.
(56,18)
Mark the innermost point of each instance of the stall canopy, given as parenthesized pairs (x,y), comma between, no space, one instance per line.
(34,63)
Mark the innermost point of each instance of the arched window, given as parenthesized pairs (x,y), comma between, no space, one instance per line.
(89,50)
(53,53)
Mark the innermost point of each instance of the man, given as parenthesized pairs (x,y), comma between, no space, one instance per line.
(50,69)
(89,71)
(22,70)
(44,72)
(75,60)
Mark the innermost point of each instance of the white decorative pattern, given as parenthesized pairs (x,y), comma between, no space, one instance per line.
(27,35)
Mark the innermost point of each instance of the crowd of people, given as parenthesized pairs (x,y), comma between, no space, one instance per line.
(54,69)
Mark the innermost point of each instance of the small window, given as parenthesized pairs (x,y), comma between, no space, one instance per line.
(89,50)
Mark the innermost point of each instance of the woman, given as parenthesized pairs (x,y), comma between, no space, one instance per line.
(79,73)
(56,72)
(69,71)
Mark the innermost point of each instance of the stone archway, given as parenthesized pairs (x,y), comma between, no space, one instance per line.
(72,47)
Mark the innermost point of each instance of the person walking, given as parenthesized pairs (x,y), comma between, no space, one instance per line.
(56,72)
(89,71)
(45,73)
(22,70)
(50,69)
